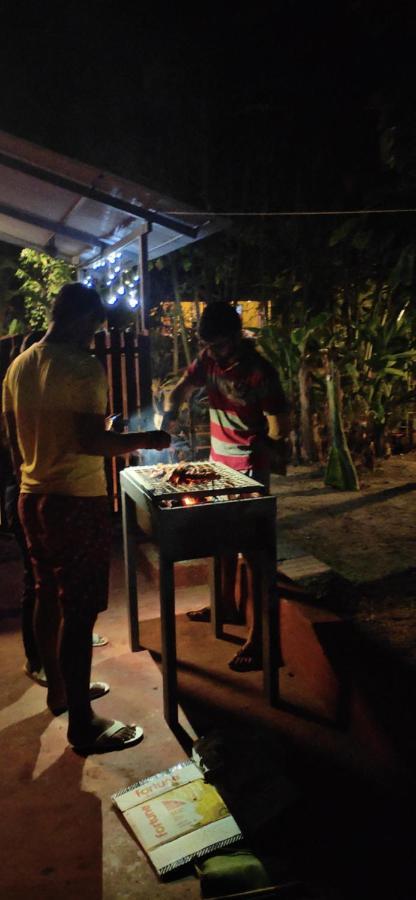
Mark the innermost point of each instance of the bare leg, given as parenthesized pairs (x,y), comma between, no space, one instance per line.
(250,654)
(84,726)
(47,626)
(228,580)
(75,659)
(253,611)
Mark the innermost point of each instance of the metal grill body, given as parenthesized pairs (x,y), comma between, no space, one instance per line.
(230,521)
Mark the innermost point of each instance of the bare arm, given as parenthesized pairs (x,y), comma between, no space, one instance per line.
(181,392)
(94,440)
(278,432)
(278,425)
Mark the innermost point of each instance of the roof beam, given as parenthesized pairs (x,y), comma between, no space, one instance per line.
(23,215)
(76,187)
(131,238)
(19,242)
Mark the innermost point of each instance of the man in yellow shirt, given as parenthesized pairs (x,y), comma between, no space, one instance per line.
(54,402)
(33,667)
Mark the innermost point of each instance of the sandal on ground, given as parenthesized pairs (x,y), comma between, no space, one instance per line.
(37,675)
(246,660)
(97,689)
(116,737)
(204,615)
(98,640)
(200,615)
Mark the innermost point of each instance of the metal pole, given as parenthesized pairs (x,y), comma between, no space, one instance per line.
(128,510)
(142,318)
(168,632)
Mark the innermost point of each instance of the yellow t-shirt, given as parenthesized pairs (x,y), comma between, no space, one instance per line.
(43,387)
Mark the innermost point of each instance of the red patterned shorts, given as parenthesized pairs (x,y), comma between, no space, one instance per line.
(68,539)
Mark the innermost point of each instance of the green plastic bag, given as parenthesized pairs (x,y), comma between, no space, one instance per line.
(230,873)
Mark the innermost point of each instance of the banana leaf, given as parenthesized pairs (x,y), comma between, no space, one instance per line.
(340,470)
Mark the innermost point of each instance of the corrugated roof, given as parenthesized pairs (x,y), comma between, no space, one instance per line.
(78,212)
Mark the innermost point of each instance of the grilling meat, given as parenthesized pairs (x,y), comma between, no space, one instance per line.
(185,474)
(190,473)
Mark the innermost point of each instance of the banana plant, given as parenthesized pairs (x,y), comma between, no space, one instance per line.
(294,352)
(382,375)
(340,470)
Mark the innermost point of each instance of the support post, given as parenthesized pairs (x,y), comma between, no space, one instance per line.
(168,632)
(216,596)
(142,328)
(142,323)
(270,602)
(128,511)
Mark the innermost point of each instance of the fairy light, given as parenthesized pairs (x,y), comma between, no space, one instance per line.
(116,278)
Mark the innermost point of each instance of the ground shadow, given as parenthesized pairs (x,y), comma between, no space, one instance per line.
(356,502)
(342,596)
(386,684)
(310,821)
(51,830)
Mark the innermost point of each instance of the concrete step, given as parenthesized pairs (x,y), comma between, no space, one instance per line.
(190,572)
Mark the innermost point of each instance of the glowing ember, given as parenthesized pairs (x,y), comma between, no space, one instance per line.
(189,500)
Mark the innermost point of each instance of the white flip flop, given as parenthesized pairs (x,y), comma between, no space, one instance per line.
(107,741)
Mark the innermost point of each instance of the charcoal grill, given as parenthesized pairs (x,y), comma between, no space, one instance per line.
(233,514)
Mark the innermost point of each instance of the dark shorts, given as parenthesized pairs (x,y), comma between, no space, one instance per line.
(68,540)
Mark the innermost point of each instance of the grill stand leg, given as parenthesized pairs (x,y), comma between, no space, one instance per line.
(168,628)
(215,594)
(128,508)
(270,605)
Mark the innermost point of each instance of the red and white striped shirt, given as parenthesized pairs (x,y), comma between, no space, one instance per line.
(239,396)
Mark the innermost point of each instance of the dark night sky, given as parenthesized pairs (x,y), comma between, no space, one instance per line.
(278,106)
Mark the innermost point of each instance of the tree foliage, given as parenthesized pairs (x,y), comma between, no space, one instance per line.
(41,277)
(8,287)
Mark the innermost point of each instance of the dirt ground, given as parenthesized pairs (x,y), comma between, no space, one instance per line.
(368,538)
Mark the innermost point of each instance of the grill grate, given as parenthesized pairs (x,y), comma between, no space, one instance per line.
(225,480)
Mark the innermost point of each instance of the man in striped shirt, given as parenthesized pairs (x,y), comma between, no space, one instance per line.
(249,424)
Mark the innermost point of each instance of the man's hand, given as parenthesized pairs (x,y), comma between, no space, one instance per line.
(169,420)
(94,440)
(157,440)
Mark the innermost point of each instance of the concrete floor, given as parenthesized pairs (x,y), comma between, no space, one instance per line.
(59,833)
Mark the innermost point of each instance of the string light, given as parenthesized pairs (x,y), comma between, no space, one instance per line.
(114,279)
